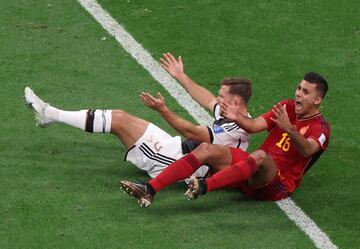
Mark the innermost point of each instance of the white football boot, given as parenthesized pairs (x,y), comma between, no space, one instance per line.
(197,186)
(38,107)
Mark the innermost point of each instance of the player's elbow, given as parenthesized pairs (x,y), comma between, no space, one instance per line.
(254,125)
(252,129)
(307,152)
(193,136)
(188,133)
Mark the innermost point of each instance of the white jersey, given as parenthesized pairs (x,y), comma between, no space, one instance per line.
(227,132)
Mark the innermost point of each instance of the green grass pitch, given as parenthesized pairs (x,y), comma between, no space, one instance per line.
(59,186)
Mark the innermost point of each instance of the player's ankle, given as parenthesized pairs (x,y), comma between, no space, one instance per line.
(52,113)
(150,189)
(203,185)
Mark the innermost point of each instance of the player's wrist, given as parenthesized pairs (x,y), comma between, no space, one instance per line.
(182,77)
(163,110)
(291,130)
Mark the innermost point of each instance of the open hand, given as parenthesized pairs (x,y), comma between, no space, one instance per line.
(157,104)
(281,117)
(230,111)
(174,67)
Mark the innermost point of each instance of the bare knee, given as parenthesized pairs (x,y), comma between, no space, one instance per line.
(118,115)
(202,151)
(117,120)
(260,156)
(126,127)
(213,155)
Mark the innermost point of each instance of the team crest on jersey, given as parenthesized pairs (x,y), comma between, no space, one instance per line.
(218,129)
(303,130)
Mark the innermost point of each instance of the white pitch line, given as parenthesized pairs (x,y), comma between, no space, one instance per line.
(295,213)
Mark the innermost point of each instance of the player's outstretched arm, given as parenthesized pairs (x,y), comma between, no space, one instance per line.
(175,68)
(248,124)
(184,127)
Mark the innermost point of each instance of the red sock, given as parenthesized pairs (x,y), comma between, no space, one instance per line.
(176,171)
(238,172)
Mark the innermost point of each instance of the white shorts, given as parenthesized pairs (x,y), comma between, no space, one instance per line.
(155,150)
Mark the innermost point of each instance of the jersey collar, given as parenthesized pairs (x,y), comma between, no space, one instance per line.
(311,117)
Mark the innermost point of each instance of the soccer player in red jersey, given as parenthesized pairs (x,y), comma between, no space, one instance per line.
(298,134)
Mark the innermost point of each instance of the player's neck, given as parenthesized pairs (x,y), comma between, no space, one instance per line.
(309,115)
(243,110)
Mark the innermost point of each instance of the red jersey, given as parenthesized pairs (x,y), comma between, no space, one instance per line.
(281,149)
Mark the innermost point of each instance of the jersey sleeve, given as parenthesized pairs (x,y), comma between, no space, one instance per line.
(320,134)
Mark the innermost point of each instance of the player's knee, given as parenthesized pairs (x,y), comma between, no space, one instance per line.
(118,118)
(259,156)
(119,115)
(203,147)
(202,151)
(206,152)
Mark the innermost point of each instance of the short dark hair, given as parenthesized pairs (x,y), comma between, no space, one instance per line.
(240,86)
(320,81)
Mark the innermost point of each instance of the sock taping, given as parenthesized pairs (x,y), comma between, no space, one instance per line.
(98,121)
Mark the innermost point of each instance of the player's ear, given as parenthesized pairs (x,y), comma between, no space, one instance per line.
(318,100)
(237,100)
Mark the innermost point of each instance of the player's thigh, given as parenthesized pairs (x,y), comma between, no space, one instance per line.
(128,128)
(214,155)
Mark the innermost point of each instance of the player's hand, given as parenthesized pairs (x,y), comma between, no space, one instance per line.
(281,117)
(230,111)
(174,67)
(157,104)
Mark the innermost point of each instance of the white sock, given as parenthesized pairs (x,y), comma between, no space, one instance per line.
(74,119)
(52,113)
(87,120)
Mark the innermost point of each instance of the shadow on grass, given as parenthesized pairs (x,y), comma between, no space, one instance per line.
(168,203)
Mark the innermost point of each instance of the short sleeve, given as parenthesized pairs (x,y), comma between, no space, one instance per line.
(320,134)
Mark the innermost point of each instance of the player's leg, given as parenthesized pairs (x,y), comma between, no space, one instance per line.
(216,156)
(257,168)
(126,127)
(87,120)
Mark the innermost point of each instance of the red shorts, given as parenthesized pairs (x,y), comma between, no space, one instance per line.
(274,190)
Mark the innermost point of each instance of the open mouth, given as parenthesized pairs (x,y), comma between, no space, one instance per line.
(298,105)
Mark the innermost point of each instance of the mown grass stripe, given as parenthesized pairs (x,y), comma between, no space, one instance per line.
(144,58)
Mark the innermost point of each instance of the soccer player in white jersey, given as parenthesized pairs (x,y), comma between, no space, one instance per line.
(148,147)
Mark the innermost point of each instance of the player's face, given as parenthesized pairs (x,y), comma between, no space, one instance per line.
(224,96)
(307,100)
